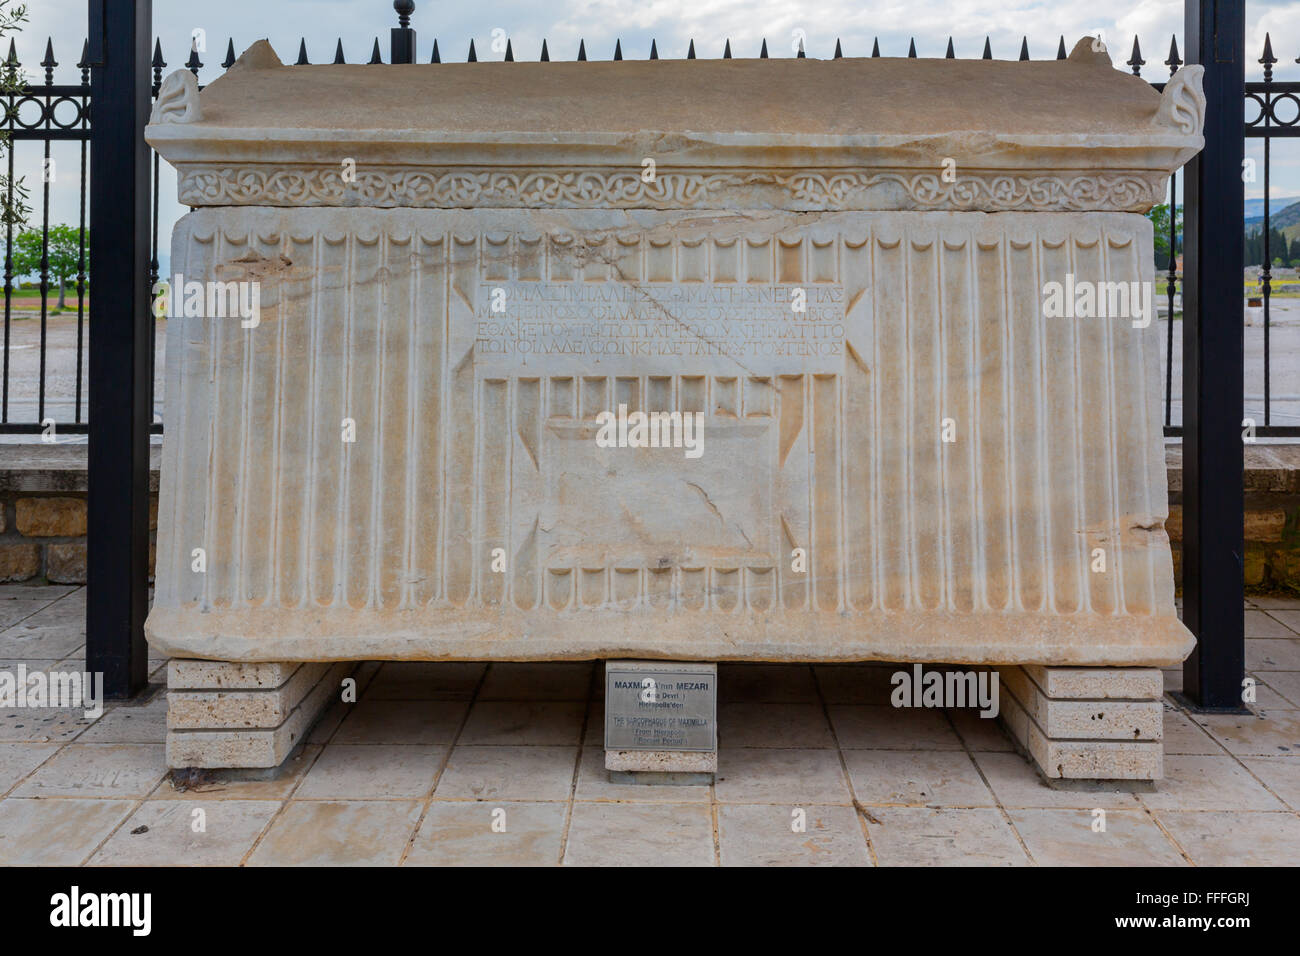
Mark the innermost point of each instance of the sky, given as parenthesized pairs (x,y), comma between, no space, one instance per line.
(671,23)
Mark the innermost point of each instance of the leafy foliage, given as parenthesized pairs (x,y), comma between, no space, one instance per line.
(1159,216)
(13,211)
(64,254)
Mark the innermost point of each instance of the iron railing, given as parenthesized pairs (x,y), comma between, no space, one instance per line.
(62,113)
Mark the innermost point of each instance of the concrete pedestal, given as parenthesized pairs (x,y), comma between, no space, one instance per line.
(1090,723)
(253,715)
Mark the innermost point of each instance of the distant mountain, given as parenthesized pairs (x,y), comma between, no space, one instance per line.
(1290,216)
(1285,220)
(1254,210)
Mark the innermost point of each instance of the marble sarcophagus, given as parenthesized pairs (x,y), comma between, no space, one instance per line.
(704,360)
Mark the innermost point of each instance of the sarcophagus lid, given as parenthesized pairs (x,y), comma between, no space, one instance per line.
(716,360)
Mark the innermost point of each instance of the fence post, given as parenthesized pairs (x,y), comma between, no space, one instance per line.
(401,46)
(1212,363)
(117,567)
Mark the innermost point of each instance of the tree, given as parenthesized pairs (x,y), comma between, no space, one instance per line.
(64,255)
(1278,246)
(12,211)
(1159,216)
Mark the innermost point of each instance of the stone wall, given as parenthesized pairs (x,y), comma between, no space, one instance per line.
(43,514)
(1272,516)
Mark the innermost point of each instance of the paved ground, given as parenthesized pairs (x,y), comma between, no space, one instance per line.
(61,338)
(419,769)
(1284,363)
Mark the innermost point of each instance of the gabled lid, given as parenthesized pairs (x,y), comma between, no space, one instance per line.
(789,133)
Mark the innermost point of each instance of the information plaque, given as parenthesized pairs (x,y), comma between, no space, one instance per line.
(661,706)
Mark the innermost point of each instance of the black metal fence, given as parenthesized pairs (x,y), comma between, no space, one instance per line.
(45,113)
(1270,123)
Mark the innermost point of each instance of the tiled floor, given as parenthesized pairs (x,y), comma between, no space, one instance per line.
(475,764)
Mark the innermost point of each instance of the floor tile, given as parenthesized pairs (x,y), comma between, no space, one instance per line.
(55,832)
(543,680)
(1226,838)
(938,778)
(593,784)
(1275,602)
(338,833)
(31,665)
(15,610)
(980,733)
(225,785)
(1288,616)
(330,720)
(372,772)
(1071,838)
(1207,783)
(401,722)
(187,833)
(857,683)
(892,728)
(794,777)
(1264,624)
(640,834)
(28,640)
(41,724)
(18,760)
(98,770)
(1259,734)
(420,680)
(126,724)
(1266,695)
(768,836)
(1280,774)
(41,594)
(1273,655)
(1285,683)
(476,834)
(508,773)
(916,836)
(773,725)
(524,722)
(1017,784)
(1184,736)
(69,610)
(766,683)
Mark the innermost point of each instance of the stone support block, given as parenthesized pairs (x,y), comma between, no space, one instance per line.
(224,715)
(261,707)
(1093,723)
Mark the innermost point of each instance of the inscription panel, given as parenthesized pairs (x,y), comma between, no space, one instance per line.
(648,326)
(654,705)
